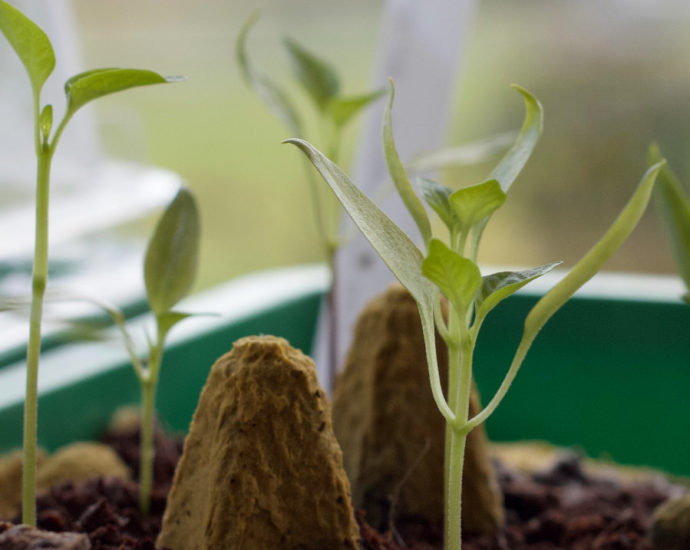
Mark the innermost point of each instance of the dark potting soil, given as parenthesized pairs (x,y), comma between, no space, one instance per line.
(560,509)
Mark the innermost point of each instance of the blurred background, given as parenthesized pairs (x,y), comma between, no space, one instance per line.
(613,76)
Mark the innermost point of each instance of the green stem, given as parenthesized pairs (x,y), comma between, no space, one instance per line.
(38,285)
(148,408)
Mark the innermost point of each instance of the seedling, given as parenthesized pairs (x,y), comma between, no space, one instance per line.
(449,268)
(36,54)
(673,204)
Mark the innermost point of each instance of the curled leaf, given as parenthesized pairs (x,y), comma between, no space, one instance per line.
(172,254)
(31,44)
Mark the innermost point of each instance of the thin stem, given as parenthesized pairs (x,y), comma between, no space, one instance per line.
(148,407)
(332,320)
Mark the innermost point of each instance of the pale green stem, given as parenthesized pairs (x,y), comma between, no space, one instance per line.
(148,408)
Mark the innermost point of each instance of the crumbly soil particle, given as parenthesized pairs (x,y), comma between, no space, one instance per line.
(23,537)
(391,431)
(261,468)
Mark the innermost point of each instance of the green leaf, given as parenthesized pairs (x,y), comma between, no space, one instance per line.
(398,175)
(31,44)
(673,205)
(275,99)
(517,156)
(315,75)
(473,204)
(436,196)
(169,319)
(172,254)
(498,286)
(342,109)
(90,85)
(458,278)
(394,247)
(46,121)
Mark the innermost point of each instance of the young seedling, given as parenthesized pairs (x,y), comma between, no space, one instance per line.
(450,269)
(36,53)
(673,204)
(321,83)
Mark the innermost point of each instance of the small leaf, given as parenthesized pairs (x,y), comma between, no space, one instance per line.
(315,75)
(172,254)
(342,109)
(398,175)
(673,205)
(169,319)
(458,278)
(46,121)
(473,204)
(31,44)
(275,99)
(394,247)
(436,196)
(498,286)
(90,85)
(515,159)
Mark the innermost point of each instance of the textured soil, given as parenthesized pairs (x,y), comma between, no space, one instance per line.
(562,509)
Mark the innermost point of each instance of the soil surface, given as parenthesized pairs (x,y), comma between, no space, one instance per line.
(559,509)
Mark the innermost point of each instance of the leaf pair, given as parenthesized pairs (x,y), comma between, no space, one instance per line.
(316,76)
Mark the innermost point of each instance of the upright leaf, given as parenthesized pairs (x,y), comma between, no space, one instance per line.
(398,174)
(342,109)
(172,254)
(31,44)
(90,85)
(473,204)
(436,195)
(315,75)
(275,99)
(673,204)
(517,156)
(458,278)
(394,247)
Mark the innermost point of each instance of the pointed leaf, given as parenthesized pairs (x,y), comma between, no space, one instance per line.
(90,85)
(316,76)
(172,254)
(169,319)
(394,247)
(46,121)
(473,204)
(275,99)
(342,109)
(436,196)
(673,205)
(515,159)
(498,286)
(458,278)
(398,175)
(30,42)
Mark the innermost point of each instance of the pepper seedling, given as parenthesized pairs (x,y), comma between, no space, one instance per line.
(449,268)
(673,205)
(35,51)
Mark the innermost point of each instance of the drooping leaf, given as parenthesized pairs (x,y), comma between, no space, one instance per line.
(90,85)
(515,159)
(30,42)
(275,99)
(398,175)
(498,286)
(172,254)
(46,121)
(461,155)
(342,109)
(673,205)
(436,195)
(458,278)
(473,204)
(316,76)
(394,247)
